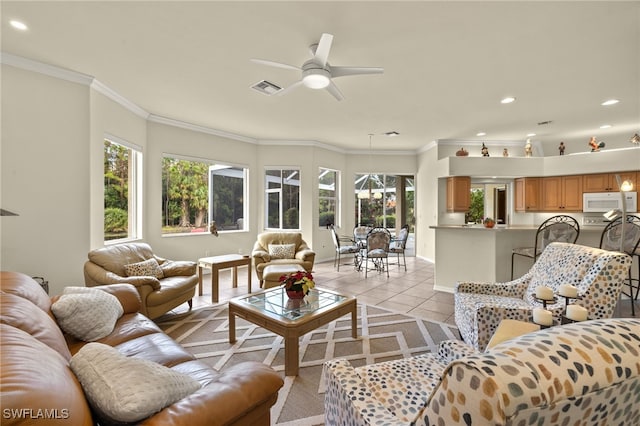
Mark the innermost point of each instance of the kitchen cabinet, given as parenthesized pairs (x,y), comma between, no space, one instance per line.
(458,193)
(527,194)
(606,182)
(561,193)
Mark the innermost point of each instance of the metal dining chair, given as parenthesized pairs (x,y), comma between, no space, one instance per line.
(378,240)
(560,228)
(344,246)
(610,240)
(399,244)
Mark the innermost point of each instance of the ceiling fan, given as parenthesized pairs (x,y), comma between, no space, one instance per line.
(317,73)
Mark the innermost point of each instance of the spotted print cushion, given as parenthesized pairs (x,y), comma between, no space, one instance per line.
(282,251)
(598,275)
(146,268)
(585,373)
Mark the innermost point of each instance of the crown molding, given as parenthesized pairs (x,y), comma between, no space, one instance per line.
(311,143)
(45,69)
(105,90)
(431,145)
(197,128)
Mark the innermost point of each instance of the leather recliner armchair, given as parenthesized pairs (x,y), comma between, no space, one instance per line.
(272,248)
(172,287)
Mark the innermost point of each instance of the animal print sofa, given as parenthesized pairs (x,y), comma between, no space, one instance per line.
(584,373)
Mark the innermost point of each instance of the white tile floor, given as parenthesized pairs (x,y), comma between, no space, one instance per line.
(410,292)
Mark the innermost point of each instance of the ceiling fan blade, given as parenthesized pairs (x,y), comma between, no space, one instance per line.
(276,64)
(289,89)
(322,51)
(343,71)
(333,89)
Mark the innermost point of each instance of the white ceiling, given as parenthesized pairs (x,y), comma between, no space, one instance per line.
(446,66)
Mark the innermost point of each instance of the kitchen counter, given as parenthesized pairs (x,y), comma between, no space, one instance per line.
(476,253)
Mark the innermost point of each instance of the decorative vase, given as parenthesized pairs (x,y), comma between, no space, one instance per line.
(295,294)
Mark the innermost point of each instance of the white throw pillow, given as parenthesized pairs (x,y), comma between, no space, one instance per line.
(282,251)
(127,389)
(146,268)
(87,313)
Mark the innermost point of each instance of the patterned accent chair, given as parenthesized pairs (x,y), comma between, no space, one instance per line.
(585,373)
(598,275)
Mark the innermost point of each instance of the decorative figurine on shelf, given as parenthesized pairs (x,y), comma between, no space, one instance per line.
(484,150)
(462,153)
(527,148)
(561,148)
(213,228)
(595,145)
(505,152)
(489,222)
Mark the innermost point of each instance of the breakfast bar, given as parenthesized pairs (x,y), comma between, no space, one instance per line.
(476,253)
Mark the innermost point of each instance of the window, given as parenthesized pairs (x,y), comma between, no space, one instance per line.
(328,197)
(122,166)
(196,192)
(282,199)
(384,200)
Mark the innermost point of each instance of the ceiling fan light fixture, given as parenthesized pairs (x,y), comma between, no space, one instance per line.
(316,78)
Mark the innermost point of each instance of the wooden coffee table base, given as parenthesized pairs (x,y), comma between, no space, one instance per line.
(291,330)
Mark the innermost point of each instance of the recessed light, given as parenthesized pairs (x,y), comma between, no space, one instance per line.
(610,102)
(507,100)
(530,135)
(481,134)
(605,126)
(18,25)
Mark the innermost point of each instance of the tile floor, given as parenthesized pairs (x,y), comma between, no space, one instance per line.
(410,292)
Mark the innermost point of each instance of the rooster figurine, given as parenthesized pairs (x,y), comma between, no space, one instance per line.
(595,145)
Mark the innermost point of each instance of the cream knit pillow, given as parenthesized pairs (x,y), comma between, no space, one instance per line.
(87,313)
(126,389)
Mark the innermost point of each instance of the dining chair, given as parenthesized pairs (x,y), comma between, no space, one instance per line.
(378,240)
(610,240)
(344,245)
(561,228)
(360,233)
(399,244)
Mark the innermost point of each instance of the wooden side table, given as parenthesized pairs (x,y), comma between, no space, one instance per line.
(216,263)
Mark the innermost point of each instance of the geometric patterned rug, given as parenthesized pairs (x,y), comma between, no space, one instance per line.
(382,335)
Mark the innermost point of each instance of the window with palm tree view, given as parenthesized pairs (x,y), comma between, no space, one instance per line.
(197,192)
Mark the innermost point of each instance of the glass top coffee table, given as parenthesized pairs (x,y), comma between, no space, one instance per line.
(291,318)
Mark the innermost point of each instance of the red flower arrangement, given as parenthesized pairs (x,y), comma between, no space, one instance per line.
(298,281)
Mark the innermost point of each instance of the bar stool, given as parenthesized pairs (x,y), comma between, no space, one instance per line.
(560,228)
(610,240)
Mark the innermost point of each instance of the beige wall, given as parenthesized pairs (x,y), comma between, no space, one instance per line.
(45,176)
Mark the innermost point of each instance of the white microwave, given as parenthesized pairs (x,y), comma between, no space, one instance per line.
(595,202)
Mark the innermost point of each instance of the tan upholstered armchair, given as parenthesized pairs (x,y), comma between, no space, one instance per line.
(162,284)
(283,248)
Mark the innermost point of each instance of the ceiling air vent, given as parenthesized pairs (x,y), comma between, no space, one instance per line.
(266,87)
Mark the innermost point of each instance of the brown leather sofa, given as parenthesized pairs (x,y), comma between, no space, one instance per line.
(159,295)
(263,253)
(38,386)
